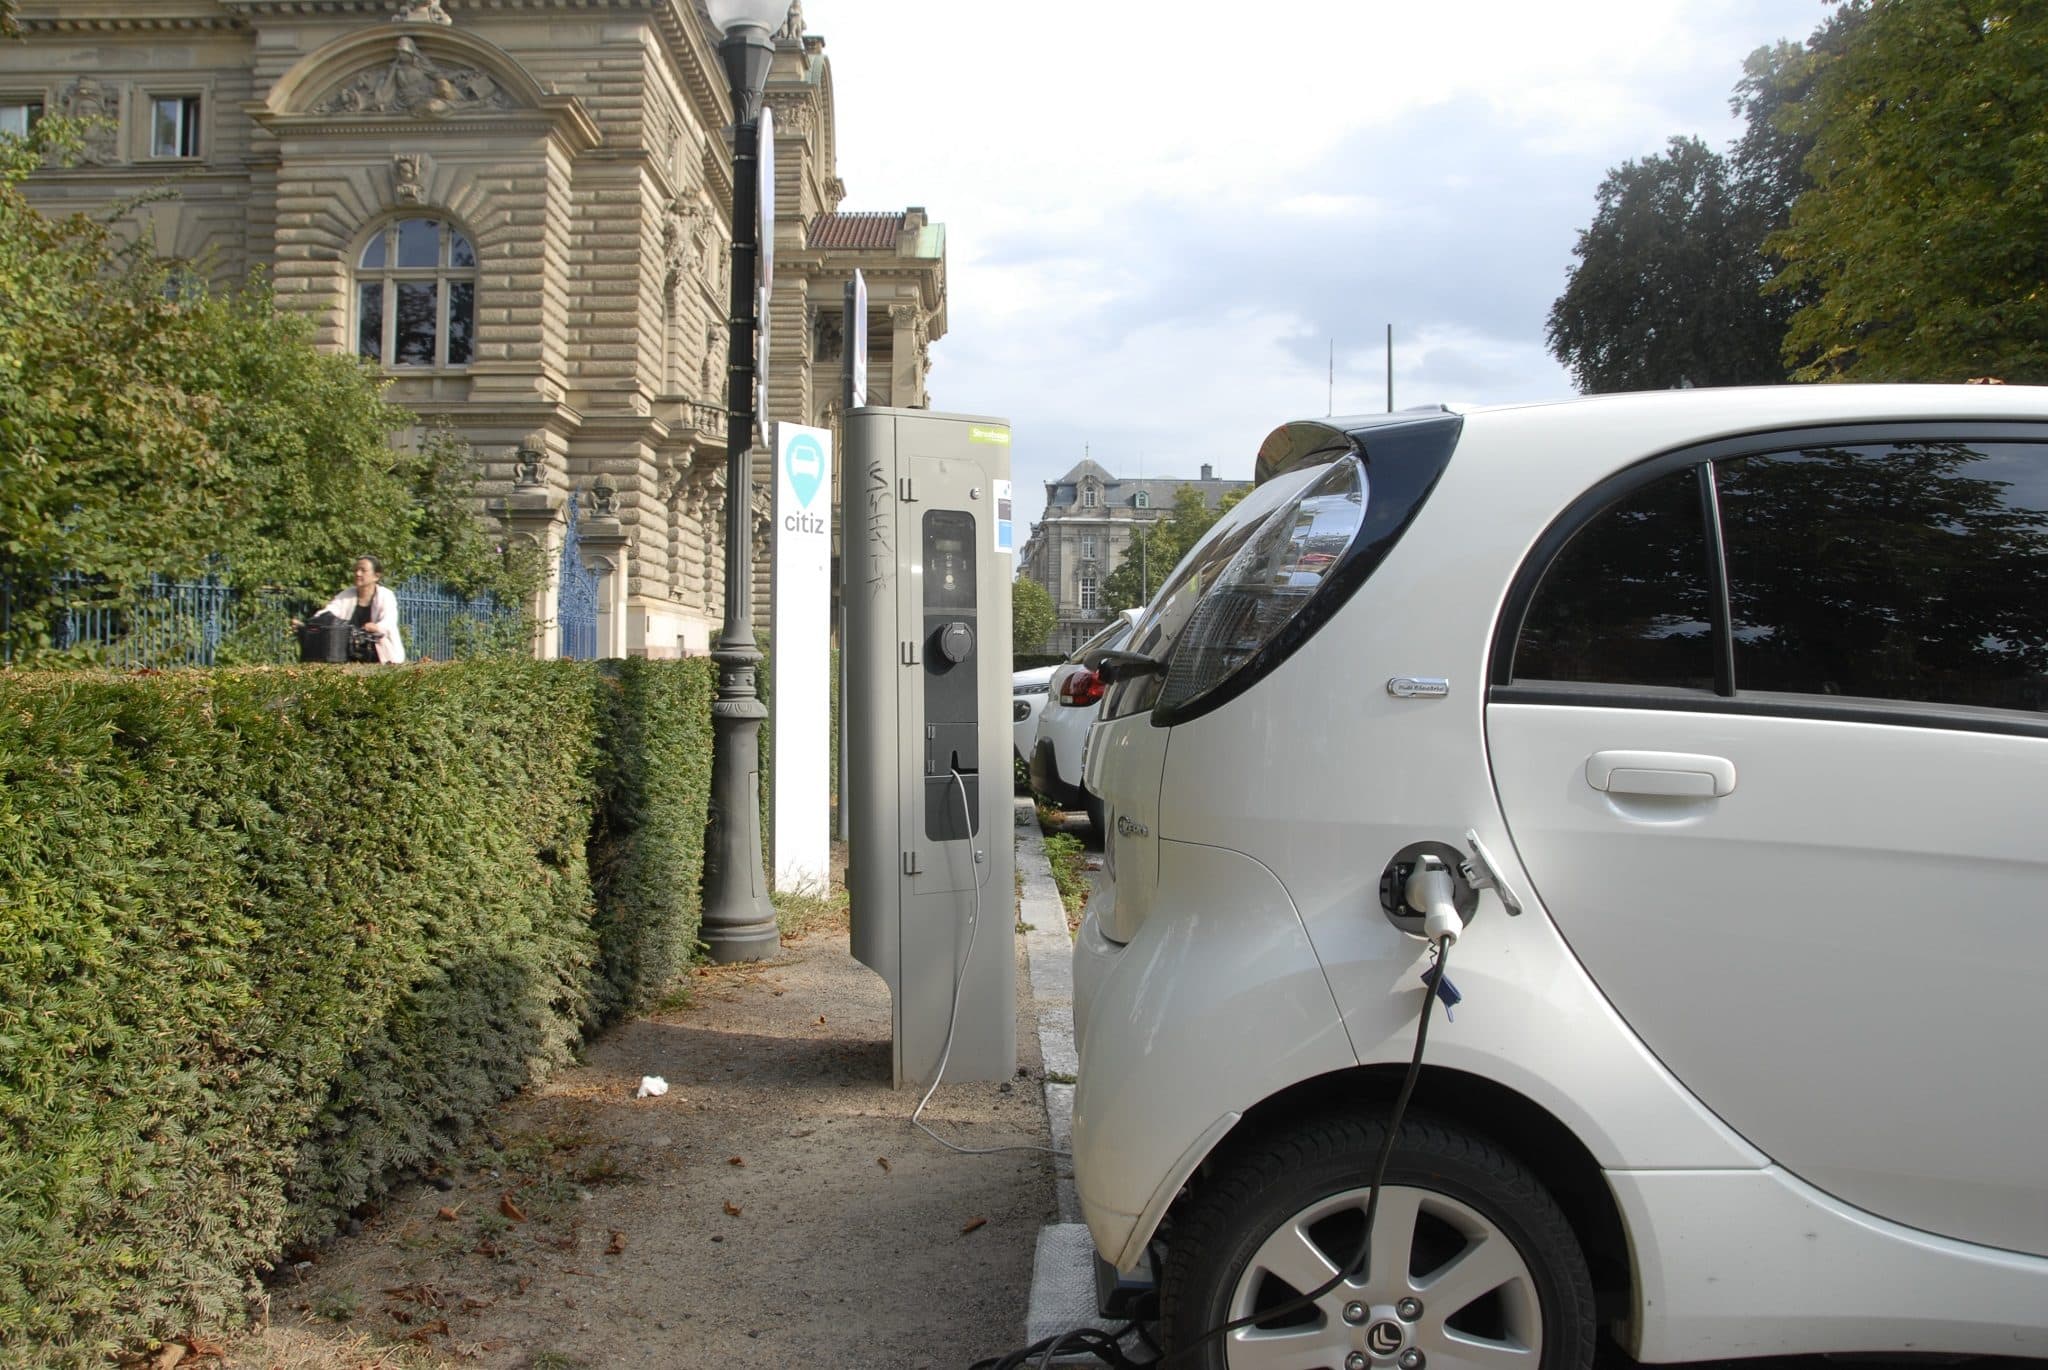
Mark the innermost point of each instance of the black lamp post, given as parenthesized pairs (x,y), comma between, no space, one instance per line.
(739,920)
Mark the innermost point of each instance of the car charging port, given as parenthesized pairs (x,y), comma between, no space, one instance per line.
(1422,874)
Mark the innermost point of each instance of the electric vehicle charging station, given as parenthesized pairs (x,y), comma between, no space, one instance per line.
(927,734)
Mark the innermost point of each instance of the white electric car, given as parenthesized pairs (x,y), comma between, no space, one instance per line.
(1718,717)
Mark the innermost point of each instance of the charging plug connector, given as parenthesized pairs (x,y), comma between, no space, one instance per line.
(1431,893)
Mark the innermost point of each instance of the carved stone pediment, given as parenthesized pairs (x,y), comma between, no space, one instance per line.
(414,83)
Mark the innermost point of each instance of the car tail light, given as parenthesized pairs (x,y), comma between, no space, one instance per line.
(1081,687)
(1266,583)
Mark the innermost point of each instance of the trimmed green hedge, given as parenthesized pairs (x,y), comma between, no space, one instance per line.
(270,939)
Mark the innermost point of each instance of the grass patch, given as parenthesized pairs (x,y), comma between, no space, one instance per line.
(1069,872)
(801,912)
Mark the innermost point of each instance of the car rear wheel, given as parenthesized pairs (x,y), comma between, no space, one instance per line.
(1472,1265)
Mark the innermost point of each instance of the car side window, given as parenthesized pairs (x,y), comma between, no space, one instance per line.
(1913,572)
(1626,602)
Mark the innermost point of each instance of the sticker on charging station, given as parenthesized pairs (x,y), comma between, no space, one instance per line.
(1006,537)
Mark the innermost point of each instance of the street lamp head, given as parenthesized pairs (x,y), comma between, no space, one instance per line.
(727,15)
(748,27)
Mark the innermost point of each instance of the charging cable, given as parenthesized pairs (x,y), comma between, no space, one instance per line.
(953,1015)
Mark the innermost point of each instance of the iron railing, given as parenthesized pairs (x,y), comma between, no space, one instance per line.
(171,623)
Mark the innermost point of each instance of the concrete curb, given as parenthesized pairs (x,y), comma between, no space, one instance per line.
(1063,1277)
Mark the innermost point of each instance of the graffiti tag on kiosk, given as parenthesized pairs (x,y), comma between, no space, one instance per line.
(881,556)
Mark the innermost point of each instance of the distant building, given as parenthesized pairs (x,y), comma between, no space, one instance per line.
(1090,516)
(519,211)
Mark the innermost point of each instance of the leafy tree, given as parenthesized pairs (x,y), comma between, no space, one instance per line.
(1667,289)
(150,428)
(107,467)
(1157,547)
(1032,616)
(1923,243)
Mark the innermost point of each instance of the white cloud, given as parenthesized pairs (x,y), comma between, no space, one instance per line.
(1157,221)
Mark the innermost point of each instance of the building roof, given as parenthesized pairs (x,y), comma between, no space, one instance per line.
(1159,491)
(856,230)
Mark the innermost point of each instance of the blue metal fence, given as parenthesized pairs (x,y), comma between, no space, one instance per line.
(171,623)
(576,597)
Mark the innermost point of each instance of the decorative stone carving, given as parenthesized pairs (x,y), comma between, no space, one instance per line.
(407,171)
(792,30)
(835,191)
(421,12)
(526,463)
(682,243)
(904,315)
(413,83)
(604,499)
(831,338)
(714,360)
(792,115)
(87,98)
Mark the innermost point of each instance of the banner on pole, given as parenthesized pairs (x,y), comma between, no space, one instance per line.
(801,648)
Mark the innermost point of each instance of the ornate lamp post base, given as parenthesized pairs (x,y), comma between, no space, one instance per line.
(739,920)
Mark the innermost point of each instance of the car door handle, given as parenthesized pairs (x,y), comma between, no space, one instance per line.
(1685,775)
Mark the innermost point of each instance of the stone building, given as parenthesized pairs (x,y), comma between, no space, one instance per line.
(521,211)
(1086,532)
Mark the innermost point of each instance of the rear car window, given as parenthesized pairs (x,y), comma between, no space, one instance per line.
(1627,601)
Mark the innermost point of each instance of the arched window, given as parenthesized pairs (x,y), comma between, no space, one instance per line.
(1141,500)
(1088,496)
(416,295)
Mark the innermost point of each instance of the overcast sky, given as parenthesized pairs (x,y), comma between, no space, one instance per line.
(1158,222)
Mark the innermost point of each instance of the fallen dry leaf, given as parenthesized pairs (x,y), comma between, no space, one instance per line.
(437,1326)
(618,1243)
(821,1017)
(732,1210)
(510,1209)
(735,1160)
(973,1223)
(170,1355)
(524,1281)
(882,1161)
(201,1347)
(472,1304)
(448,1215)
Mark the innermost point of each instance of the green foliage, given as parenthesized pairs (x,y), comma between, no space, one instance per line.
(155,427)
(1032,616)
(647,851)
(1924,240)
(1669,280)
(1156,548)
(275,936)
(108,467)
(1069,863)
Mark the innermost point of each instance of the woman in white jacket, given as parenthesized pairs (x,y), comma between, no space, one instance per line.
(372,608)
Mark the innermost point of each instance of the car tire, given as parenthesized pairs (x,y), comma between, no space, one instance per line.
(1296,1200)
(1094,809)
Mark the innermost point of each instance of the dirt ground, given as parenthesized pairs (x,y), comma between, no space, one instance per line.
(774,1208)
